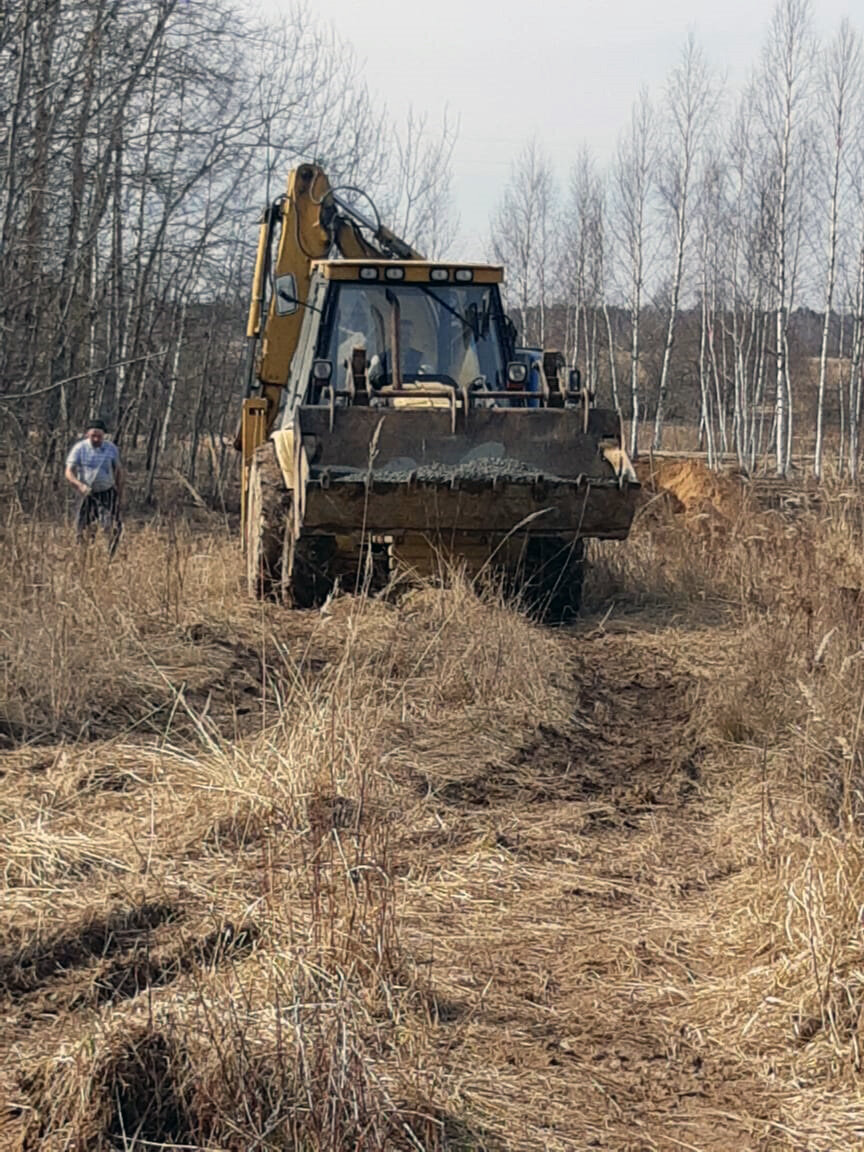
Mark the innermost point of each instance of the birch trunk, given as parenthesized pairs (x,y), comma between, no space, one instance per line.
(856,383)
(634,377)
(634,174)
(172,380)
(842,82)
(613,371)
(705,409)
(689,107)
(784,91)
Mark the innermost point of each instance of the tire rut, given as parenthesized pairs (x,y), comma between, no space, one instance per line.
(608,836)
(628,748)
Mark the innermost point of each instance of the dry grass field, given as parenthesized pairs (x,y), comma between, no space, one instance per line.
(420,873)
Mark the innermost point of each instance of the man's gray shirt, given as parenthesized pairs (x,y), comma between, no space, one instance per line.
(95,467)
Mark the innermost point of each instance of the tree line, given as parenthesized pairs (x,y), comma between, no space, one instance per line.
(711,264)
(698,250)
(139,142)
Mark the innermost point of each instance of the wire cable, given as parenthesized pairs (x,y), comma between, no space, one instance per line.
(365,195)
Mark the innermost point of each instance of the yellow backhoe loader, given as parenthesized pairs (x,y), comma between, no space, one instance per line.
(390,420)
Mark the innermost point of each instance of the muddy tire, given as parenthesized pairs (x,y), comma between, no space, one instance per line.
(551,578)
(307,570)
(313,565)
(266,514)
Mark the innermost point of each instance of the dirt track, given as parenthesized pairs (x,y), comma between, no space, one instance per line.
(595,920)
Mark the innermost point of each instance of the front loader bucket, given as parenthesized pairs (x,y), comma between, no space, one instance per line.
(488,471)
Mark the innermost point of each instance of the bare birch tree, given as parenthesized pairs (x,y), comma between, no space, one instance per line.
(841,92)
(633,177)
(422,172)
(783,96)
(521,237)
(856,366)
(689,104)
(715,276)
(582,266)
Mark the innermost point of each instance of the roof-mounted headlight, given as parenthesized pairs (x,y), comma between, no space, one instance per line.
(367,273)
(464,275)
(439,274)
(394,273)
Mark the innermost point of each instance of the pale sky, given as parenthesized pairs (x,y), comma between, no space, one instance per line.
(566,73)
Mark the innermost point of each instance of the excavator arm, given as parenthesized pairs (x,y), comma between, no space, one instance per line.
(311,220)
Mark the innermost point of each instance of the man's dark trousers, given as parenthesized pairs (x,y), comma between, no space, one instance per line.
(101,508)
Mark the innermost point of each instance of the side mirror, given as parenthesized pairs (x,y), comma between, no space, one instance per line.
(285,290)
(575,380)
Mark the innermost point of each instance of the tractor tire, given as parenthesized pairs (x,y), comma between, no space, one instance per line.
(301,573)
(313,566)
(307,570)
(267,505)
(551,578)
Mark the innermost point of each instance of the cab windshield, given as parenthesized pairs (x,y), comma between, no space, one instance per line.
(444,332)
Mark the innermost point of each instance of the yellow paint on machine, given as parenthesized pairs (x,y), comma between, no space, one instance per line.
(253,432)
(302,240)
(427,556)
(294,466)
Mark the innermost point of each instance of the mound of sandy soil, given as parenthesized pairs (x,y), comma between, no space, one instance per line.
(688,487)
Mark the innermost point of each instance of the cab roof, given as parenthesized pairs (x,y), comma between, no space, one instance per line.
(413,271)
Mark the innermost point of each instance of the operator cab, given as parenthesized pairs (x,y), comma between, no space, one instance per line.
(409,324)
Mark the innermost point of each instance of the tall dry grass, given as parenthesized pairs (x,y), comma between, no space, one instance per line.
(200,907)
(87,644)
(390,874)
(783,718)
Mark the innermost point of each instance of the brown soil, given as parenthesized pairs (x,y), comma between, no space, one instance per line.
(595,874)
(691,488)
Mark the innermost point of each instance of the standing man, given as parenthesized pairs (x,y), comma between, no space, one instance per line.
(93,468)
